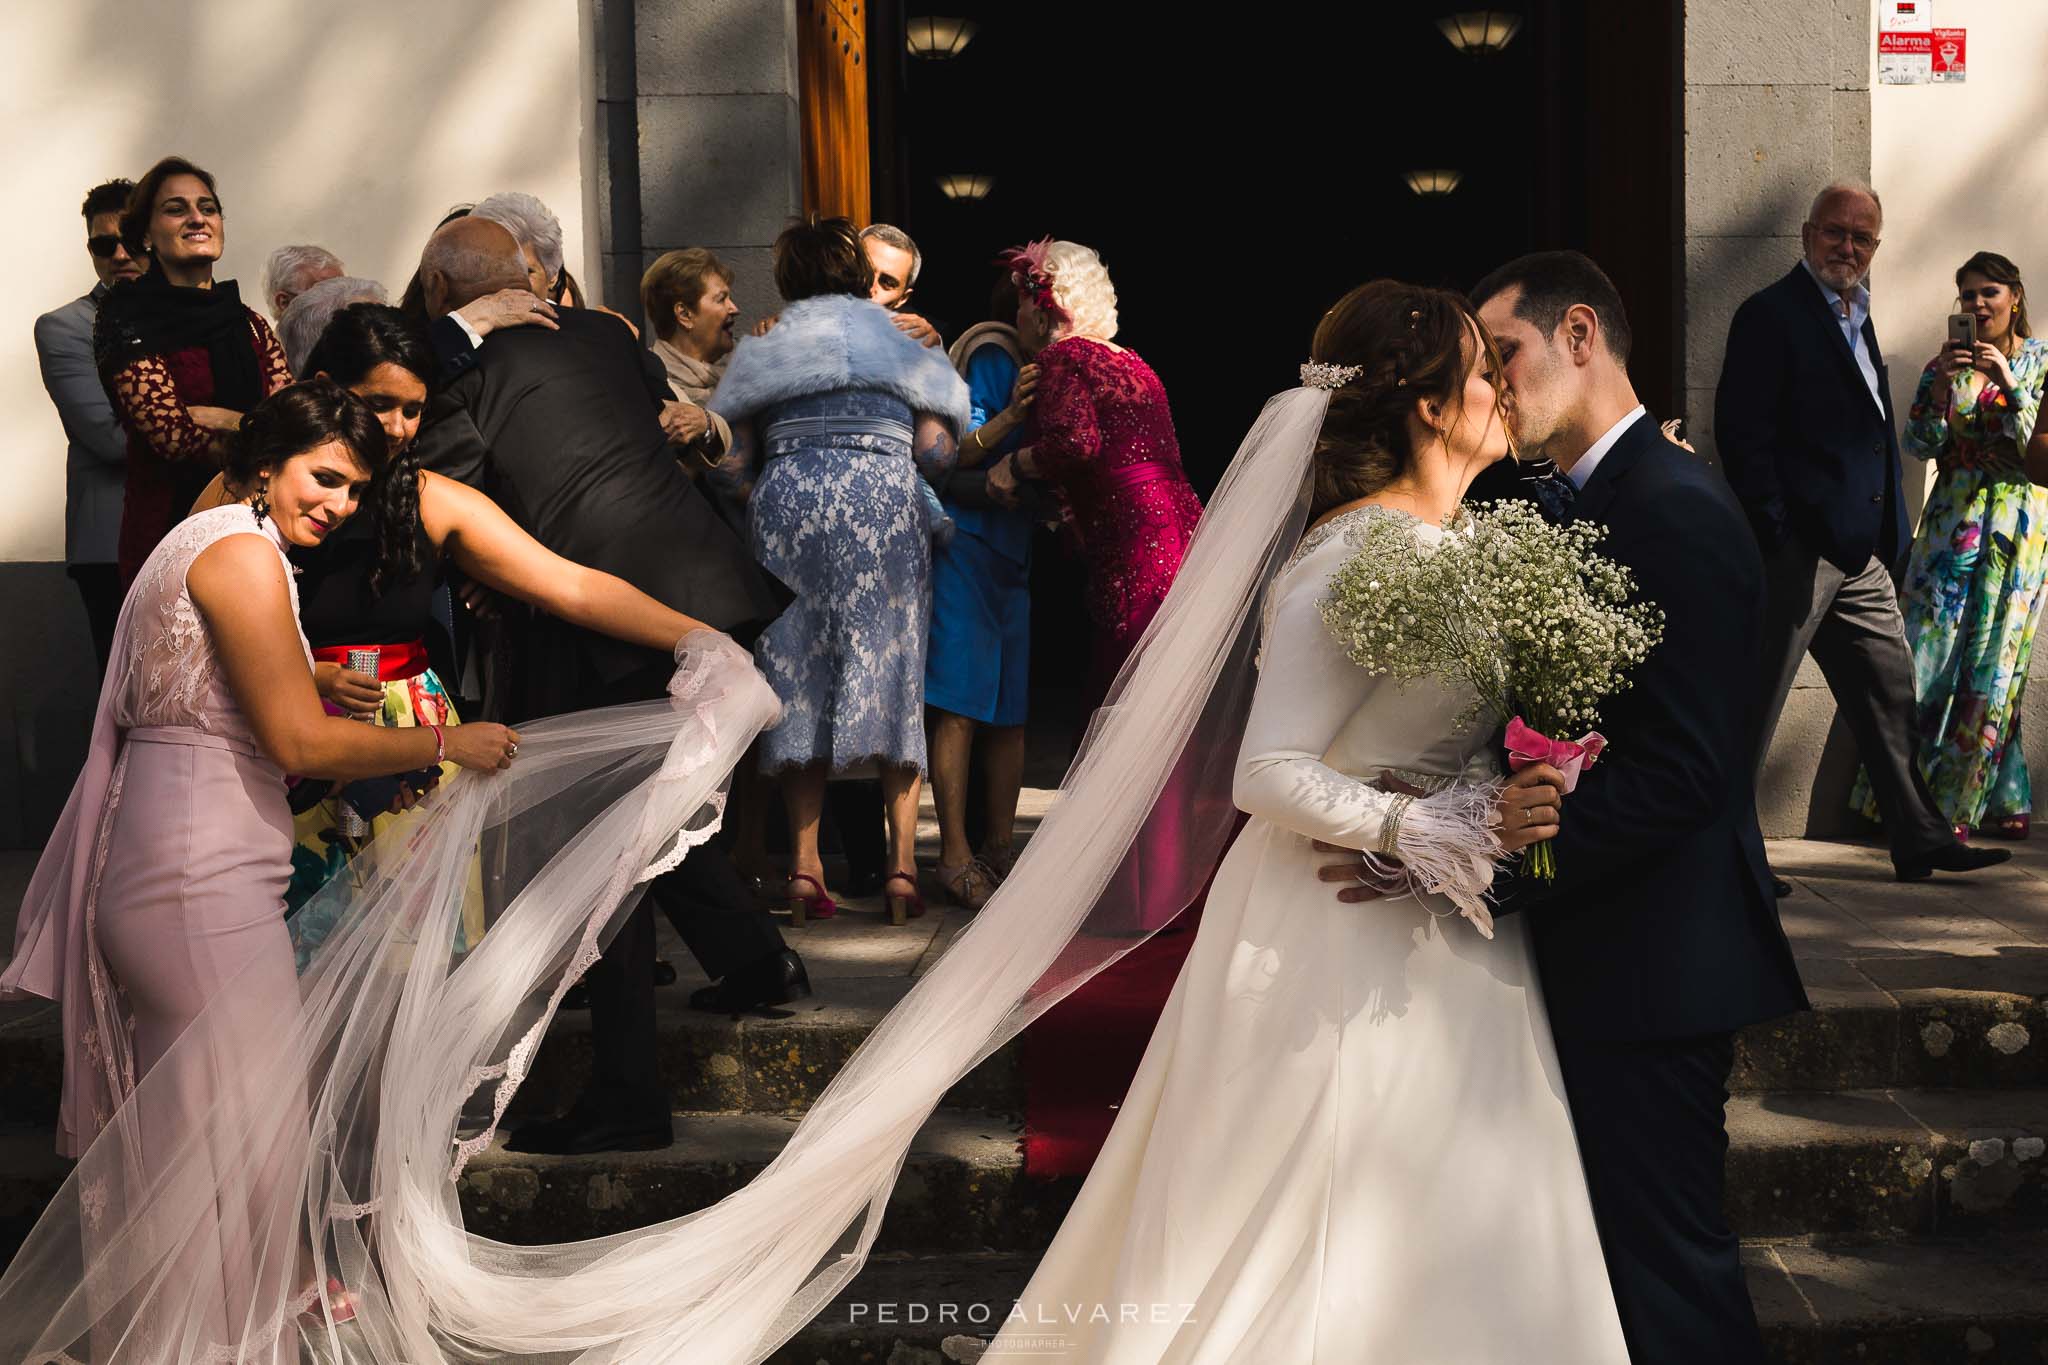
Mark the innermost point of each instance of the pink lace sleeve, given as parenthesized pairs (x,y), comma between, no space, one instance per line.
(277,370)
(152,409)
(1065,407)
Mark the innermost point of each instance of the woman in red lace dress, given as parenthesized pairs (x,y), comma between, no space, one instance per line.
(179,354)
(1101,434)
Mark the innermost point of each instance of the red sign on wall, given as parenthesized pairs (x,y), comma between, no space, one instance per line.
(1950,49)
(1904,58)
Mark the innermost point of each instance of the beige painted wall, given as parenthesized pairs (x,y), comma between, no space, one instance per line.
(1961,169)
(352,125)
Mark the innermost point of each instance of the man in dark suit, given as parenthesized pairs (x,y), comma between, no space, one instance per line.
(1803,419)
(96,460)
(1659,935)
(561,427)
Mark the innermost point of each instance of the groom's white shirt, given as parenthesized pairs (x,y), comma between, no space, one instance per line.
(1583,469)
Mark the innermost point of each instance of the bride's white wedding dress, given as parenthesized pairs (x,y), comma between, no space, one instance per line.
(1348,1140)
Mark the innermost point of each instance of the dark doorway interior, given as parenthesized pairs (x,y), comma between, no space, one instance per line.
(1241,169)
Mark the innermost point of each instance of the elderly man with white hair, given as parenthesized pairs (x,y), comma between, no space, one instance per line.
(538,232)
(307,316)
(292,270)
(1803,418)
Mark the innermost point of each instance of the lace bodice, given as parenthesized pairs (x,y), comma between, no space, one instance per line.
(170,673)
(1322,729)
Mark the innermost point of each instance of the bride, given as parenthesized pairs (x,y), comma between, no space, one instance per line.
(1363,1149)
(1365,1153)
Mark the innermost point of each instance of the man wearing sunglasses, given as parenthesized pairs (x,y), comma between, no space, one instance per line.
(96,462)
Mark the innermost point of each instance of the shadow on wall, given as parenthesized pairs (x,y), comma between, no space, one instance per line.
(353,128)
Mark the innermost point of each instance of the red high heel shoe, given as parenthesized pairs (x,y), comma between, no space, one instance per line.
(803,908)
(902,909)
(2013,827)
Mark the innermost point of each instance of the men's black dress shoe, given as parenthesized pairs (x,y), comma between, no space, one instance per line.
(775,980)
(1780,887)
(1949,858)
(580,1132)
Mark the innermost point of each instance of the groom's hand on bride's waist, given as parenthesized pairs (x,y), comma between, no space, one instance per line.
(1360,880)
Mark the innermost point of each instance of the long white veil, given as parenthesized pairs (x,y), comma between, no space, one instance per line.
(329,1162)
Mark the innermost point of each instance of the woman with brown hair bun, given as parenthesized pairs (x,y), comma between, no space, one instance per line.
(181,356)
(836,417)
(1307,1041)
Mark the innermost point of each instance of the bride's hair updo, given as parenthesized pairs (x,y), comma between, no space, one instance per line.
(1407,342)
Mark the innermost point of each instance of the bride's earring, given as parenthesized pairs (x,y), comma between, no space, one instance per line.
(260,504)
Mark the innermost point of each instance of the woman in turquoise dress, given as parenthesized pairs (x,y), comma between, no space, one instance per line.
(1972,590)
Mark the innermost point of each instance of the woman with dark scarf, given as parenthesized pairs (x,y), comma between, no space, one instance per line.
(180,355)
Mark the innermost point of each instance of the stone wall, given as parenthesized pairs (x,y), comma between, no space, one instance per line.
(1773,111)
(717,156)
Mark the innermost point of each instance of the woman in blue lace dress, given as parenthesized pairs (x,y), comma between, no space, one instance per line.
(837,417)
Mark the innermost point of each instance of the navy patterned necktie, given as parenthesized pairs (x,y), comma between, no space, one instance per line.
(1554,493)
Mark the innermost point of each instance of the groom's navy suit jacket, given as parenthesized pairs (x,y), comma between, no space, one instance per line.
(1661,923)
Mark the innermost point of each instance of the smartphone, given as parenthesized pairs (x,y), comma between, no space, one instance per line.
(1962,330)
(372,796)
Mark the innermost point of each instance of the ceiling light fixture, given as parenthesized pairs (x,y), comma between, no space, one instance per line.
(936,38)
(963,186)
(1434,184)
(1481,32)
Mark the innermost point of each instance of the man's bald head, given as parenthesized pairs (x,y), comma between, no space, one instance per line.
(467,259)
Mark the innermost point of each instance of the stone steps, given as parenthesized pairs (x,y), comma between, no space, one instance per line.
(1865,1163)
(1883,1304)
(1858,1037)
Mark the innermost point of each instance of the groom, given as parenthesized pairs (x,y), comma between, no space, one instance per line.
(1659,936)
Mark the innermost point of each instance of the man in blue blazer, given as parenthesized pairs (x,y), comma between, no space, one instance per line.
(1803,418)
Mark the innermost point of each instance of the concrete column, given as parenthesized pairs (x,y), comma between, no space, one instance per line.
(1777,104)
(719,147)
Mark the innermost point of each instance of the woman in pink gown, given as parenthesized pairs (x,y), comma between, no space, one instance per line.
(1101,434)
(163,884)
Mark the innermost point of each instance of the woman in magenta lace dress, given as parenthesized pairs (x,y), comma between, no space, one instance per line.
(1101,435)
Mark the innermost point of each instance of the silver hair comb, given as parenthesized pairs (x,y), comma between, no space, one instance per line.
(1317,374)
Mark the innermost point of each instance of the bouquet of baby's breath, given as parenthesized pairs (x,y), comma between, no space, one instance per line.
(1525,613)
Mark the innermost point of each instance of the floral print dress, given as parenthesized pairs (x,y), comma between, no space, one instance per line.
(1972,591)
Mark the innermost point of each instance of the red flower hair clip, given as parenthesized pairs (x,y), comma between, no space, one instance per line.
(1028,272)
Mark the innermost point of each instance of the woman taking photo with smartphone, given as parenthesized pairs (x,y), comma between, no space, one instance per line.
(1972,590)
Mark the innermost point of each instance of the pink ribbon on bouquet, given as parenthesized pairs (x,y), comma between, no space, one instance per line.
(1568,756)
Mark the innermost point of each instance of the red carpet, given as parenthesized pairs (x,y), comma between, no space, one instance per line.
(1080,1055)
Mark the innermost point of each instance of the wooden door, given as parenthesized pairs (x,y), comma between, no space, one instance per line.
(832,86)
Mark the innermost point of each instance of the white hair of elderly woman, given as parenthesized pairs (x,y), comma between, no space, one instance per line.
(1081,285)
(287,269)
(526,218)
(306,317)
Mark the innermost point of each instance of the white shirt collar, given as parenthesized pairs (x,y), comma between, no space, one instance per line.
(1859,297)
(1582,469)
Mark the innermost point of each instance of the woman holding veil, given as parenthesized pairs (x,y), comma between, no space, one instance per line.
(1365,1154)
